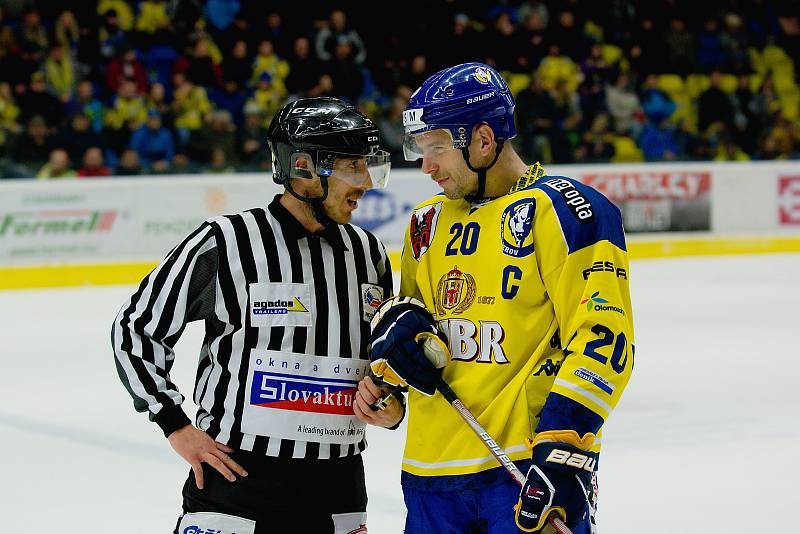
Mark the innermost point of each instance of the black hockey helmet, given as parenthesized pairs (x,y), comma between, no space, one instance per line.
(321,130)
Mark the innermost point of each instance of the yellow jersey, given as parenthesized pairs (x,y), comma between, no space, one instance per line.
(531,289)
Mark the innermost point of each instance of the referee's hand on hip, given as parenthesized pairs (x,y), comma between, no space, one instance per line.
(196,447)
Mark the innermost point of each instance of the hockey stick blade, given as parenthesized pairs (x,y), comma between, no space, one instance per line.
(493,447)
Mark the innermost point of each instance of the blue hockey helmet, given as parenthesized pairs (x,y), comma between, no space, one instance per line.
(457,99)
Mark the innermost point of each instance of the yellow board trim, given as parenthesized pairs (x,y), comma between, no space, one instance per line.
(70,275)
(711,246)
(74,275)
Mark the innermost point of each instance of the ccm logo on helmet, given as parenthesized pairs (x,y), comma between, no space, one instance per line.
(313,110)
(479,98)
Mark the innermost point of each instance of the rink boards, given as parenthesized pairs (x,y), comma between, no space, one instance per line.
(113,231)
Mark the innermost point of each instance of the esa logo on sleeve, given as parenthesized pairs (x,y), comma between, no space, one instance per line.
(605,266)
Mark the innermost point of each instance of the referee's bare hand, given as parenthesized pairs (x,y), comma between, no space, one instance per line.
(367,395)
(196,447)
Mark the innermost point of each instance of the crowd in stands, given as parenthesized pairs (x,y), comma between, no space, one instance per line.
(129,87)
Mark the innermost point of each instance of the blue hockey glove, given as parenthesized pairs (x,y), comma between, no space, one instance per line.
(559,482)
(407,347)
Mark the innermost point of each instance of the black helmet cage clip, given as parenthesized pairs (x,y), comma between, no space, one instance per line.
(300,171)
(308,173)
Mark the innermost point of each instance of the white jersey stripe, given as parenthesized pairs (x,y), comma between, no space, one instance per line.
(460,463)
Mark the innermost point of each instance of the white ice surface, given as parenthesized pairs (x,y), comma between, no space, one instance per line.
(705,438)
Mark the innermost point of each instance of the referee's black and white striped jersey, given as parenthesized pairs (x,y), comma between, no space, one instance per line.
(207,277)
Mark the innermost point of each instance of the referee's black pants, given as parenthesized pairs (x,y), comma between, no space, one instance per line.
(282,495)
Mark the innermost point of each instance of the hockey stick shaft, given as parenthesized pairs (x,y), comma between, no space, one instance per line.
(493,447)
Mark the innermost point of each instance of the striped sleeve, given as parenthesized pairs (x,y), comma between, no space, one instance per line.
(384,268)
(180,289)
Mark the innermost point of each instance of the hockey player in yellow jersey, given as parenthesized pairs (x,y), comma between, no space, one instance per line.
(525,277)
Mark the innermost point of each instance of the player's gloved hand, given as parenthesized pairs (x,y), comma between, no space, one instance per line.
(407,347)
(559,482)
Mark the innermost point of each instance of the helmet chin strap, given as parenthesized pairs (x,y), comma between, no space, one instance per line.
(478,194)
(314,202)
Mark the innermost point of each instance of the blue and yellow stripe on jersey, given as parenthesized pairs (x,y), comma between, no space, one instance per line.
(532,290)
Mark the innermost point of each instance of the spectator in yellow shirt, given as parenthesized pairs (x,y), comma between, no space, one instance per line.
(59,73)
(9,111)
(267,60)
(129,108)
(190,106)
(8,117)
(557,67)
(121,8)
(58,166)
(152,16)
(66,30)
(266,98)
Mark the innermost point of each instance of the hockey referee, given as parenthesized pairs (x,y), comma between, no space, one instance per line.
(286,293)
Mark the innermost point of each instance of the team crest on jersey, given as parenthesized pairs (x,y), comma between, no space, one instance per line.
(515,228)
(423,226)
(455,292)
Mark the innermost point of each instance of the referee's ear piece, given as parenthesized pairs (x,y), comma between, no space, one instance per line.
(302,166)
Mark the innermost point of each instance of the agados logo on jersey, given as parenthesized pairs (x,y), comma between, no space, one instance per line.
(455,292)
(515,228)
(278,307)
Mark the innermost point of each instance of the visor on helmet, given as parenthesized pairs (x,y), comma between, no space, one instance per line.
(355,169)
(427,143)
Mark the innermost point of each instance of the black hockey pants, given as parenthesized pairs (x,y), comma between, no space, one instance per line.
(282,495)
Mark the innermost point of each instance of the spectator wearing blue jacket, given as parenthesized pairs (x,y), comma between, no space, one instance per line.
(656,104)
(231,99)
(659,141)
(153,143)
